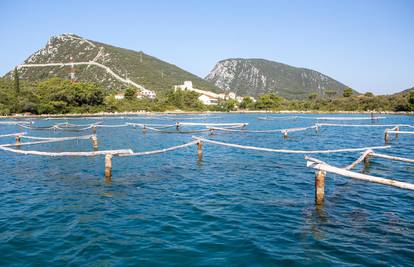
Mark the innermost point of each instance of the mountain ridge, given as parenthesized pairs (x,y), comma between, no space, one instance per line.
(255,76)
(135,68)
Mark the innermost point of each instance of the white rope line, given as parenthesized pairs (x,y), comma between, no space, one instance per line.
(159,126)
(111,125)
(362,125)
(50,140)
(287,150)
(211,124)
(264,131)
(348,118)
(322,166)
(13,122)
(70,125)
(68,154)
(38,127)
(177,131)
(392,157)
(160,150)
(277,118)
(13,134)
(400,132)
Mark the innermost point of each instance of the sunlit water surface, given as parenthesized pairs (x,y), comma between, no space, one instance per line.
(233,208)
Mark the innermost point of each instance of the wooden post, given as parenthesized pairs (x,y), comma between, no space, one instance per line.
(108,167)
(396,134)
(94,129)
(319,187)
(285,134)
(177,126)
(366,161)
(144,129)
(200,150)
(317,129)
(386,136)
(94,142)
(17,140)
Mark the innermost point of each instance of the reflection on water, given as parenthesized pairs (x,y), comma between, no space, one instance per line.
(233,207)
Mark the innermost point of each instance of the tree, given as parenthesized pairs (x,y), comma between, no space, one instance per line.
(16,81)
(130,93)
(313,96)
(348,92)
(330,93)
(16,90)
(411,99)
(369,94)
(246,103)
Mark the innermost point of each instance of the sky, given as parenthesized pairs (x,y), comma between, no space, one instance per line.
(365,44)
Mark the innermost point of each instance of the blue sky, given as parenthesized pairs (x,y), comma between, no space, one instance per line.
(368,45)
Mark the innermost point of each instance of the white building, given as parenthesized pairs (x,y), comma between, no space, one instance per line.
(140,94)
(147,93)
(206,97)
(119,96)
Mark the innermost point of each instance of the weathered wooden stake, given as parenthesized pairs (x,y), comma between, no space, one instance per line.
(386,136)
(317,129)
(94,142)
(319,187)
(366,161)
(108,167)
(285,134)
(144,129)
(94,129)
(200,150)
(396,134)
(17,140)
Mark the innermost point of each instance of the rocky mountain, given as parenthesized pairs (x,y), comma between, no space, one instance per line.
(115,68)
(257,76)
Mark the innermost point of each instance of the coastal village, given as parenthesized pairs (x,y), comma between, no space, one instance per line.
(206,97)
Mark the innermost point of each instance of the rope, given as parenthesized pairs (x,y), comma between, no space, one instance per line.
(401,132)
(38,127)
(13,122)
(287,150)
(392,157)
(69,125)
(277,118)
(68,154)
(112,125)
(14,134)
(160,150)
(48,140)
(264,131)
(322,166)
(211,124)
(348,118)
(363,125)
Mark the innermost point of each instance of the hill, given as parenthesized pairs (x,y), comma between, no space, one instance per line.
(113,67)
(258,76)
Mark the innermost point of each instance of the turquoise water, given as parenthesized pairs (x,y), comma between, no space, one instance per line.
(233,208)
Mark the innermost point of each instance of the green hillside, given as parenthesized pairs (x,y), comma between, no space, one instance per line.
(150,72)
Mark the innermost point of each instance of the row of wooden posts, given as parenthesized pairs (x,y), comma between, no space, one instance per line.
(319,175)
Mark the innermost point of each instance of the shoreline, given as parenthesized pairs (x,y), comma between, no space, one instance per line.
(180,112)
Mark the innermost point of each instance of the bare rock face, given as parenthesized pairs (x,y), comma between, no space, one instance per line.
(258,76)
